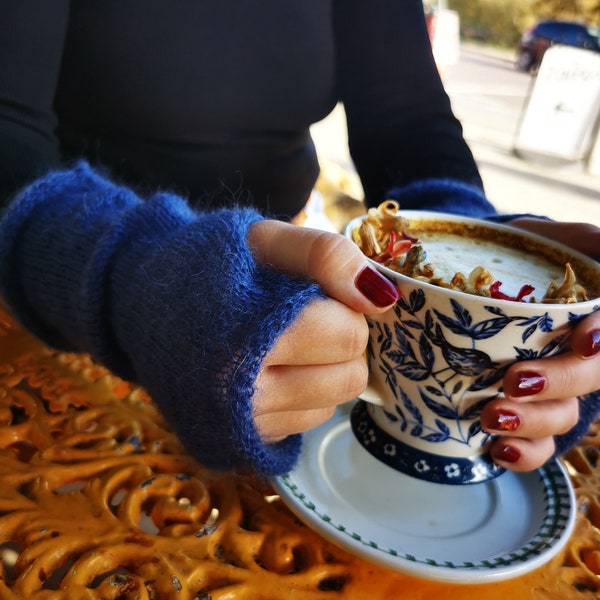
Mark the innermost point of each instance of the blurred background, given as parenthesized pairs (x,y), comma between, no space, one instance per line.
(532,123)
(503,22)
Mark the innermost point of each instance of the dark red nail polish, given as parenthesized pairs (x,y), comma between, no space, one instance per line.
(377,288)
(503,420)
(529,383)
(507,454)
(593,343)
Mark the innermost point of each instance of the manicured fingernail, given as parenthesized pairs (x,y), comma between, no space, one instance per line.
(507,454)
(529,383)
(593,343)
(503,420)
(378,289)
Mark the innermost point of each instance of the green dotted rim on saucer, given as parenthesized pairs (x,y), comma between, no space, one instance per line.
(556,520)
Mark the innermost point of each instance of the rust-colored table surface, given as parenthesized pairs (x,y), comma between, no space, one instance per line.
(99,501)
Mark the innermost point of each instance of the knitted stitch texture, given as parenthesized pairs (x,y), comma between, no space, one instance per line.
(160,294)
(174,299)
(444,195)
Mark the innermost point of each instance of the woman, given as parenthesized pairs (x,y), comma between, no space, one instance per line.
(150,154)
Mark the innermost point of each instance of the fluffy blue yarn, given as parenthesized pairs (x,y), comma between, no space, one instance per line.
(161,295)
(443,195)
(174,299)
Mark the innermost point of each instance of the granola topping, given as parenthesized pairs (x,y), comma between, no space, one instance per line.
(386,237)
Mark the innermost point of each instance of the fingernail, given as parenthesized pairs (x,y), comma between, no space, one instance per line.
(378,289)
(507,454)
(593,343)
(503,420)
(529,383)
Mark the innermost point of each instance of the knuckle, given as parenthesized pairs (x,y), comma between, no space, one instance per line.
(327,413)
(534,460)
(265,427)
(571,416)
(559,417)
(315,418)
(564,380)
(331,252)
(356,379)
(359,337)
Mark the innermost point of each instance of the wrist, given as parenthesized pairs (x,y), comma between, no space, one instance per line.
(443,195)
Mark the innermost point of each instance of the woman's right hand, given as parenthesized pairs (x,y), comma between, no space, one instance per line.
(318,362)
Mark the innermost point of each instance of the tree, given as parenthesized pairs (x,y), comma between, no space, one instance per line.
(585,11)
(503,21)
(498,21)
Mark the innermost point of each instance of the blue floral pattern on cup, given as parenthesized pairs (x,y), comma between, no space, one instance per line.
(440,355)
(418,463)
(407,352)
(436,362)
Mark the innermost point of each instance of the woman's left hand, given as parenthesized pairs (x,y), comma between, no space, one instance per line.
(541,395)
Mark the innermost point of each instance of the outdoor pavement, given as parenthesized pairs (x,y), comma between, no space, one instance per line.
(490,112)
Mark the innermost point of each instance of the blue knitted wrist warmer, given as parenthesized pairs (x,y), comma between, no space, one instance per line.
(443,195)
(160,294)
(451,196)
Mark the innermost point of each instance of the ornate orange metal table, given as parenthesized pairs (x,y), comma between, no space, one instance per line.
(99,501)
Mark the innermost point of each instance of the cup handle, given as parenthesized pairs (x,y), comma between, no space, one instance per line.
(372,394)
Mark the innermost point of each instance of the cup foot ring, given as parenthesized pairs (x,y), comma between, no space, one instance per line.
(419,463)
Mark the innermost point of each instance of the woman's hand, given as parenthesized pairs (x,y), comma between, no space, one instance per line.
(318,363)
(541,395)
(583,237)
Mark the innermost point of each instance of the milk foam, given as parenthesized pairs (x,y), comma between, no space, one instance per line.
(452,253)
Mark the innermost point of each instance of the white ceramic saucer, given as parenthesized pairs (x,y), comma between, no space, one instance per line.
(462,534)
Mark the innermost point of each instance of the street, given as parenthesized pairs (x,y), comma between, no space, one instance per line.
(489,96)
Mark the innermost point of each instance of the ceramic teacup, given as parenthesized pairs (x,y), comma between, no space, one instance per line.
(439,355)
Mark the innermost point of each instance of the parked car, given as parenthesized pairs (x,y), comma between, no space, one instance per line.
(538,39)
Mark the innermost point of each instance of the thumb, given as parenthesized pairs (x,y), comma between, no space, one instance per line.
(583,237)
(329,259)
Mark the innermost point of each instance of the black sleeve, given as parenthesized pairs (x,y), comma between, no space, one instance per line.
(32,35)
(400,123)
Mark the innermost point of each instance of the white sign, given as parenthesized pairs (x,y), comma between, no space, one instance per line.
(445,37)
(563,106)
(593,164)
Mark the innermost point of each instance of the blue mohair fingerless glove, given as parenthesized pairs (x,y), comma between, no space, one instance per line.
(443,195)
(457,197)
(160,294)
(451,196)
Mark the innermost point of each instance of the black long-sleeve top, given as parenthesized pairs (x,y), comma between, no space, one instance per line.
(214,98)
